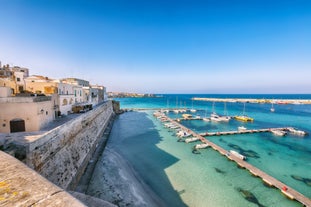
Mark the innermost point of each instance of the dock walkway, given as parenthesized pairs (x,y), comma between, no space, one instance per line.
(288,191)
(248,131)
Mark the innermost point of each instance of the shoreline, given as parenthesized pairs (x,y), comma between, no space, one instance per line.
(117,182)
(258,101)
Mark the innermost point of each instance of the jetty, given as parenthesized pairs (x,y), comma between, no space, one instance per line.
(246,131)
(271,181)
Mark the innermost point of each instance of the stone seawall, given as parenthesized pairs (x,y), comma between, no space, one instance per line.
(62,154)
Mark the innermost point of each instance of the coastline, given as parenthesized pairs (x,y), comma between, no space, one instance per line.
(117,182)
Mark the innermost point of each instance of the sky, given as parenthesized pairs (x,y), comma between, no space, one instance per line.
(163,46)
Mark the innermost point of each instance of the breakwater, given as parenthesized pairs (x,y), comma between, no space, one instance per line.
(252,100)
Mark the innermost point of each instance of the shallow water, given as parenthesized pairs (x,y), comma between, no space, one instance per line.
(181,178)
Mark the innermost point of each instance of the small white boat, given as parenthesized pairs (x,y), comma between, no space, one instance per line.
(206,119)
(201,146)
(183,134)
(272,108)
(279,133)
(218,118)
(176,111)
(193,139)
(238,155)
(192,109)
(297,131)
(241,128)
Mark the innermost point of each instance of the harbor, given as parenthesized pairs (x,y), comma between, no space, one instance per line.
(266,178)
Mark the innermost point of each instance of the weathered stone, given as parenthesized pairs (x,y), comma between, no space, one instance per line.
(62,154)
(21,186)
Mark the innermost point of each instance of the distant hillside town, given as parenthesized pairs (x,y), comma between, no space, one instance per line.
(132,95)
(28,103)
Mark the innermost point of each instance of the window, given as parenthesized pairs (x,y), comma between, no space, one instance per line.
(18,79)
(65,102)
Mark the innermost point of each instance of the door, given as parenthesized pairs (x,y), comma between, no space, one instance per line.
(17,125)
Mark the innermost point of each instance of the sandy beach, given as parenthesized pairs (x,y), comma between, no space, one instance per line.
(114,180)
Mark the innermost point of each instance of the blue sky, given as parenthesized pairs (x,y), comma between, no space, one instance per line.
(154,46)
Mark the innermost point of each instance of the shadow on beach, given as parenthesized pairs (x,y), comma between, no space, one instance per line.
(131,171)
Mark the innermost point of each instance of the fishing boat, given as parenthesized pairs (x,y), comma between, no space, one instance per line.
(243,117)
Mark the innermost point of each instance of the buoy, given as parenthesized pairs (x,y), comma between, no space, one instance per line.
(284,188)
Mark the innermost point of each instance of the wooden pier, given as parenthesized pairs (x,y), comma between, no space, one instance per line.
(248,131)
(287,191)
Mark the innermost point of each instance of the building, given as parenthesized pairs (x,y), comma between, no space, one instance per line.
(14,77)
(29,113)
(65,91)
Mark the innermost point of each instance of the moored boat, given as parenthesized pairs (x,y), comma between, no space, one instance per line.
(241,128)
(244,118)
(238,155)
(201,146)
(183,134)
(297,131)
(193,139)
(280,133)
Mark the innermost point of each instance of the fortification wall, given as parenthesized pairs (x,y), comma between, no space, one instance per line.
(21,186)
(62,154)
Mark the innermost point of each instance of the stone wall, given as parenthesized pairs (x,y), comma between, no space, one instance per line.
(21,186)
(62,154)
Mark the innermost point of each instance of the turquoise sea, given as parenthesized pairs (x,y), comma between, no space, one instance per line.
(181,178)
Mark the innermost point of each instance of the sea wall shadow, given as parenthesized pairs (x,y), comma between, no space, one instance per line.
(135,138)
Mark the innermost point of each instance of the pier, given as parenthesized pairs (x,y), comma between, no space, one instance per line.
(247,131)
(271,181)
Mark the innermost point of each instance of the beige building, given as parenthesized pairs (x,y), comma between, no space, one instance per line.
(65,91)
(14,77)
(28,114)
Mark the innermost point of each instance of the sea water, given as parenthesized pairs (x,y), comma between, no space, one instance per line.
(182,178)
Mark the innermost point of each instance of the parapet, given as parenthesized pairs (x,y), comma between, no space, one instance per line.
(22,186)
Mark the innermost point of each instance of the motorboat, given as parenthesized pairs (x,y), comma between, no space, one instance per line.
(279,133)
(201,146)
(241,128)
(238,155)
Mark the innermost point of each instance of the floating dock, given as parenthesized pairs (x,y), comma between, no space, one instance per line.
(287,191)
